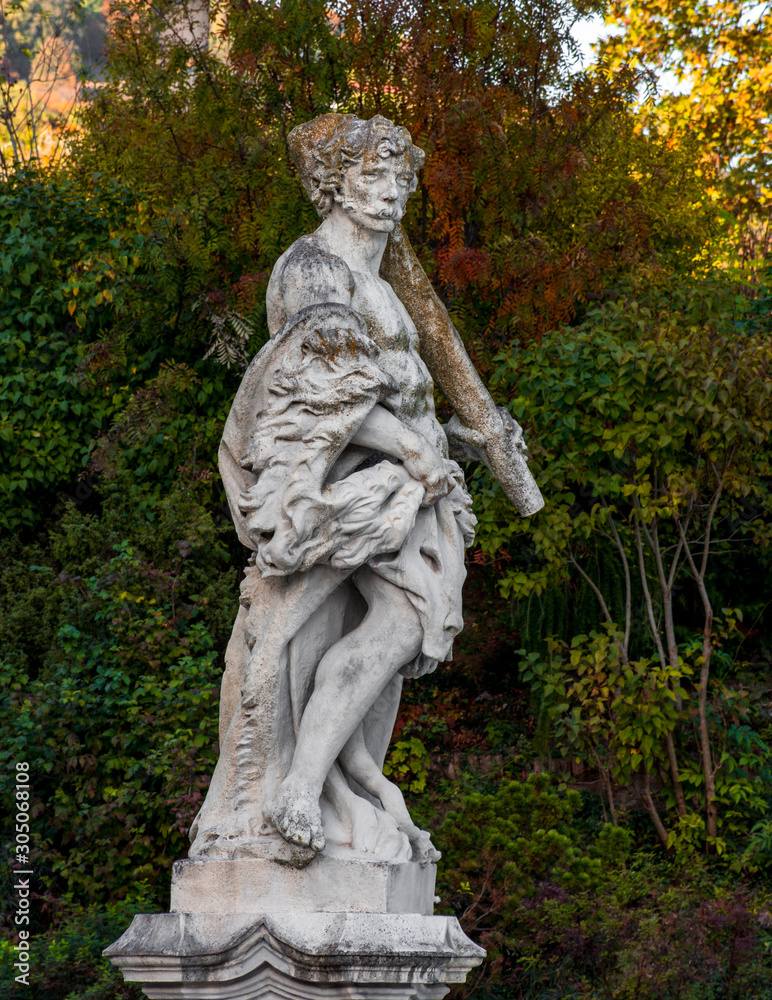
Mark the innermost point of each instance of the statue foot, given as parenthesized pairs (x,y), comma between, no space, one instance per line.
(424,850)
(296,814)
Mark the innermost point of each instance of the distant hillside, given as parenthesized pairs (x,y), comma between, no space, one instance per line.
(73,29)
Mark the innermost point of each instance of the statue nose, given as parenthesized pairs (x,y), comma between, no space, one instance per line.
(453,623)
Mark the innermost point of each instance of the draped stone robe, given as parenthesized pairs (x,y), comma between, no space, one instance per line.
(314,509)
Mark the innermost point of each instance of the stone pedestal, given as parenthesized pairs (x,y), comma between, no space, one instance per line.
(347,926)
(338,881)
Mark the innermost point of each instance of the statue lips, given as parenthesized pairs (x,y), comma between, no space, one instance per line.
(393,212)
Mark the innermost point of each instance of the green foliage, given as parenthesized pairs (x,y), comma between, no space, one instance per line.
(57,255)
(132,292)
(650,439)
(112,662)
(67,958)
(104,368)
(408,764)
(567,916)
(523,834)
(617,716)
(601,706)
(629,410)
(119,736)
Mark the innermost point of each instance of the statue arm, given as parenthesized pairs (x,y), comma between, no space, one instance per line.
(311,276)
(382,431)
(450,366)
(306,276)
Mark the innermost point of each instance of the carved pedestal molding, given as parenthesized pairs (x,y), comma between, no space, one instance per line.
(222,941)
(209,956)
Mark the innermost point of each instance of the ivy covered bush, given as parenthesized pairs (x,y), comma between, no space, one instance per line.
(113,636)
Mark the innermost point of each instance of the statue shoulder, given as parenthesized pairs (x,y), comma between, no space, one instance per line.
(304,275)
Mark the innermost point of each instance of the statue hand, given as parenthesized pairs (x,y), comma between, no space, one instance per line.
(468,445)
(382,431)
(513,431)
(428,467)
(464,444)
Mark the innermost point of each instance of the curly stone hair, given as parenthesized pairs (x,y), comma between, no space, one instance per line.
(322,149)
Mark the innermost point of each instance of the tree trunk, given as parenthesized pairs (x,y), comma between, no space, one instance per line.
(677,788)
(651,809)
(711,809)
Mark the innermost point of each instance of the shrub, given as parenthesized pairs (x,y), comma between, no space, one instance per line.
(567,916)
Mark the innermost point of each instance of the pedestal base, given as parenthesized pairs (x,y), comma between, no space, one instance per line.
(293,956)
(336,881)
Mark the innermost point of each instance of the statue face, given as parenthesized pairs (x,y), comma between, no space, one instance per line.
(374,190)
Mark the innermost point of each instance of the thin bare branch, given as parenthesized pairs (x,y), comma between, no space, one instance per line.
(651,809)
(647,596)
(628,585)
(677,786)
(595,590)
(709,526)
(709,773)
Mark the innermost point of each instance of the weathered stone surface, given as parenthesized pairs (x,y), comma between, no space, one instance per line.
(335,881)
(476,433)
(338,478)
(245,956)
(307,876)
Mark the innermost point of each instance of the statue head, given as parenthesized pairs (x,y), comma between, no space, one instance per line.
(340,158)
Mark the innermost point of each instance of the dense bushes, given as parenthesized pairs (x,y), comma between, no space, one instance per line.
(103,368)
(566,915)
(68,956)
(649,427)
(57,244)
(112,639)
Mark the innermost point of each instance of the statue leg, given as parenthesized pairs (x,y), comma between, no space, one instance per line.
(357,760)
(349,678)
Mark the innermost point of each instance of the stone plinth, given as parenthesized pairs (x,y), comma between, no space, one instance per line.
(335,882)
(346,926)
(180,956)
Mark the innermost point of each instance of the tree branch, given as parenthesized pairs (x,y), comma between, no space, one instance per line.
(595,590)
(647,596)
(628,584)
(651,809)
(603,605)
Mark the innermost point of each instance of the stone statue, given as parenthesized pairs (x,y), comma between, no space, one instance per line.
(339,480)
